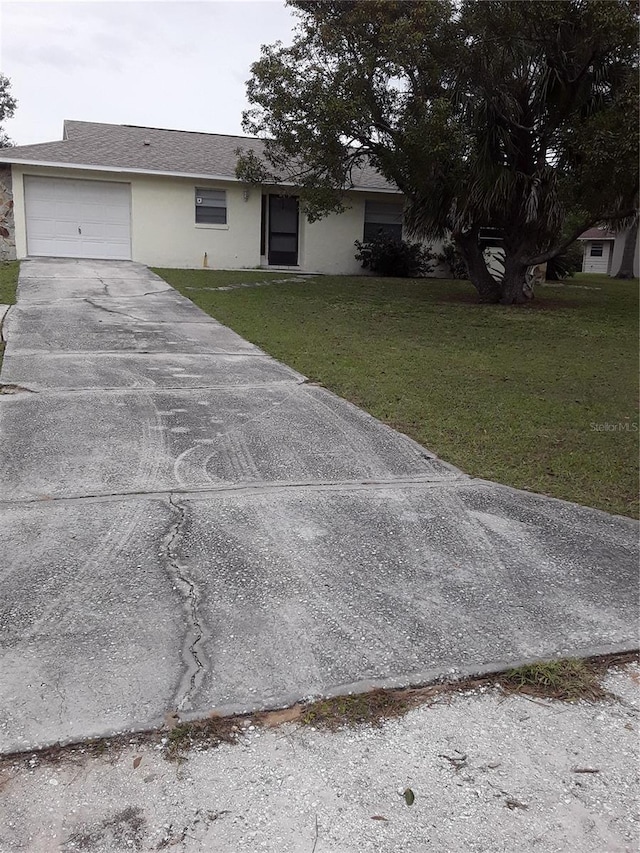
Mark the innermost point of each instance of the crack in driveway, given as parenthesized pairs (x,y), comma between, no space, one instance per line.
(193,653)
(120,312)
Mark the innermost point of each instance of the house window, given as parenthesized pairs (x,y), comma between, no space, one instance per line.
(211,207)
(596,250)
(382,217)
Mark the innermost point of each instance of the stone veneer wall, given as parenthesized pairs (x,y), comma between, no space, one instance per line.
(7,224)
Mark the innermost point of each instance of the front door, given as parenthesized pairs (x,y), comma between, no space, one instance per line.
(283,230)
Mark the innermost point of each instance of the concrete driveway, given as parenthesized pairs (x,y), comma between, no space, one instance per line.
(188,524)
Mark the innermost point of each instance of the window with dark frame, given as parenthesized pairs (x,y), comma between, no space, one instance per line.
(597,250)
(382,217)
(211,207)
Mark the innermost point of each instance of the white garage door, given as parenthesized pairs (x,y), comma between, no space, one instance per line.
(78,219)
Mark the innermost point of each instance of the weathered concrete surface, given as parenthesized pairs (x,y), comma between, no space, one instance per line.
(333,588)
(239,600)
(79,325)
(85,371)
(92,619)
(78,444)
(187,524)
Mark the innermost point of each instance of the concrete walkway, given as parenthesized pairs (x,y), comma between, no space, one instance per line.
(188,524)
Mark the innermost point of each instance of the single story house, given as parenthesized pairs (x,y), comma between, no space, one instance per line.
(169,198)
(602,251)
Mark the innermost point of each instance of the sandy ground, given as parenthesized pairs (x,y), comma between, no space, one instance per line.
(489,773)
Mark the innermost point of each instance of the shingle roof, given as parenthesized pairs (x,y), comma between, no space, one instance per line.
(597,234)
(130,148)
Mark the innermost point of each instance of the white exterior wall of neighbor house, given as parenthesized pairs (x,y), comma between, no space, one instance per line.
(598,263)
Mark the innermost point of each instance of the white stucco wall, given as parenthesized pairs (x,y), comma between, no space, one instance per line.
(164,232)
(163,227)
(327,246)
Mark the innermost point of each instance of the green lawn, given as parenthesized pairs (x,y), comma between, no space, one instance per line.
(8,283)
(542,397)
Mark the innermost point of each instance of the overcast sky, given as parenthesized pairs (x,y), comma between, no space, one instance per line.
(161,64)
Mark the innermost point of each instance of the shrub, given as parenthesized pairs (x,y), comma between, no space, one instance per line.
(389,256)
(565,264)
(453,260)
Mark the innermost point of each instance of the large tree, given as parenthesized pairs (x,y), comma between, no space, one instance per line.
(511,115)
(629,252)
(7,108)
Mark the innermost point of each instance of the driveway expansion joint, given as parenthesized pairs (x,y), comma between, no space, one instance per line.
(160,389)
(132,353)
(119,312)
(193,652)
(63,299)
(257,488)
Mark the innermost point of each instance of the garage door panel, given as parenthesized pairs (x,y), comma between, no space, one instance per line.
(94,218)
(52,209)
(114,213)
(105,231)
(43,208)
(43,228)
(56,247)
(65,230)
(78,218)
(93,248)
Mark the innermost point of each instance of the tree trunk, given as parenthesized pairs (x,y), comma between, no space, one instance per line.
(629,252)
(515,289)
(486,285)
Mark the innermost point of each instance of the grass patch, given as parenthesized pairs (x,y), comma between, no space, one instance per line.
(8,284)
(542,397)
(371,708)
(569,680)
(8,281)
(203,734)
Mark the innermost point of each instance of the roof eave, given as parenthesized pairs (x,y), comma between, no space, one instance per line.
(165,173)
(116,169)
(598,239)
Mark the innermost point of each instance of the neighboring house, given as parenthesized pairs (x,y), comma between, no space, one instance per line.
(167,198)
(597,250)
(602,251)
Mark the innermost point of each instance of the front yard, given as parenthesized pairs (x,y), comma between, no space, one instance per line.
(542,398)
(8,283)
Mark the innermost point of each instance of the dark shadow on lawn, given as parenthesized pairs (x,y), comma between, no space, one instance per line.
(538,303)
